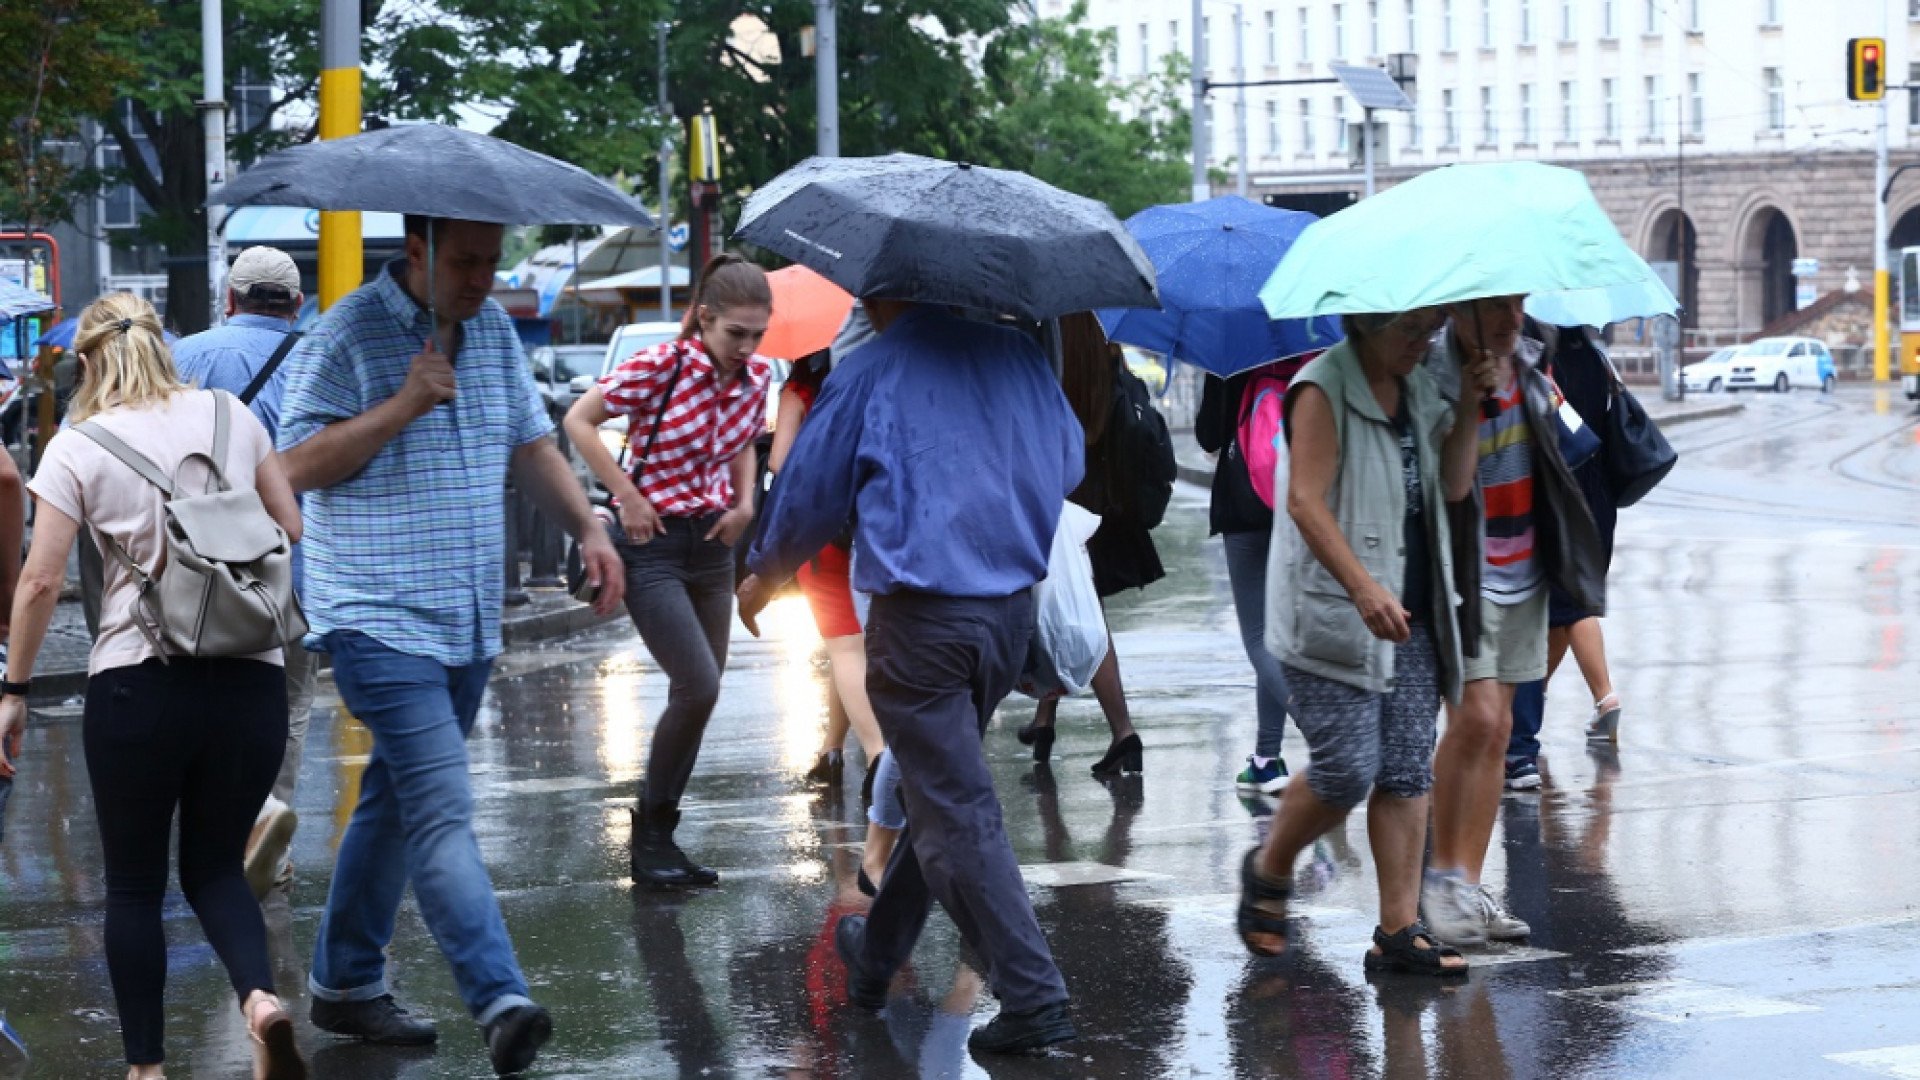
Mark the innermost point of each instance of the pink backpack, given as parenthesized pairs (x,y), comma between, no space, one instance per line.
(1263,421)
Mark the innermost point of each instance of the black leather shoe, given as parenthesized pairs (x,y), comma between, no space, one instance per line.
(515,1037)
(657,862)
(1023,1032)
(867,991)
(380,1020)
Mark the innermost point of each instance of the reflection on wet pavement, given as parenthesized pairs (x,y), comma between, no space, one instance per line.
(1727,894)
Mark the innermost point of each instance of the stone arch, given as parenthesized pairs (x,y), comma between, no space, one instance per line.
(1670,233)
(1765,242)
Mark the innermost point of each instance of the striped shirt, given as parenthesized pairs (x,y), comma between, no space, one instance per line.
(408,549)
(706,425)
(1511,573)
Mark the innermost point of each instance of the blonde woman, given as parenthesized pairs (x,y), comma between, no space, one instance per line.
(198,737)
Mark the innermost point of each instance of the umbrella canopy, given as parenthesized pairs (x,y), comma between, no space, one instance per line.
(808,311)
(913,228)
(59,336)
(1459,233)
(1211,258)
(1600,307)
(437,171)
(18,300)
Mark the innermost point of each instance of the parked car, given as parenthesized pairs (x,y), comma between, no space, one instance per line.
(559,370)
(1781,363)
(1710,374)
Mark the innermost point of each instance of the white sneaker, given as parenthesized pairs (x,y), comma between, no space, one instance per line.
(267,849)
(1452,910)
(1500,923)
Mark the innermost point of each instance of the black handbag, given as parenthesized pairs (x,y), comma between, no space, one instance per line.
(1638,457)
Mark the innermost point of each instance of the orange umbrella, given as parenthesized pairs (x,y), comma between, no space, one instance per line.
(807,313)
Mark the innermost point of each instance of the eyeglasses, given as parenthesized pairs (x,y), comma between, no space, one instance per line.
(1417,325)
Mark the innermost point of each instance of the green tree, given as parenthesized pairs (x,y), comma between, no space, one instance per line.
(1058,115)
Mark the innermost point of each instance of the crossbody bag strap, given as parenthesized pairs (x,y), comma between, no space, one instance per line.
(266,371)
(666,401)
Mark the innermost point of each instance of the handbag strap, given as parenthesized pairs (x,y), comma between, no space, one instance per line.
(287,342)
(666,401)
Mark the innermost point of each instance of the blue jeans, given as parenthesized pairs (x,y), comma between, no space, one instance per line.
(414,823)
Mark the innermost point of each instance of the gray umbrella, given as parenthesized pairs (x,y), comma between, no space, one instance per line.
(437,171)
(913,228)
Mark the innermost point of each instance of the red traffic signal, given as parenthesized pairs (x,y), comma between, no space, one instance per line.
(1866,69)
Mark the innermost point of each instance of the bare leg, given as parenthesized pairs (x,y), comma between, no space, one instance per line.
(1558,641)
(1590,652)
(1469,770)
(847,659)
(873,858)
(1397,830)
(1043,712)
(1112,695)
(1301,819)
(835,738)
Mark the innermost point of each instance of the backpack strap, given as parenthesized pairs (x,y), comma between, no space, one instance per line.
(220,433)
(259,382)
(131,458)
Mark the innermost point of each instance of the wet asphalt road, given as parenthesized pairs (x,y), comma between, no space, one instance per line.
(1731,894)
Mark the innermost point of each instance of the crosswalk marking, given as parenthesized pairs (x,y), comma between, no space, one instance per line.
(1900,1062)
(1677,1001)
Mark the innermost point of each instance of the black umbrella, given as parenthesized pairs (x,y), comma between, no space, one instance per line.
(907,227)
(436,171)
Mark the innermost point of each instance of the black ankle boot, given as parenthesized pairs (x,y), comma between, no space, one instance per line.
(658,862)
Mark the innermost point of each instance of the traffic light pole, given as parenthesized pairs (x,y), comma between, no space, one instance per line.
(1882,286)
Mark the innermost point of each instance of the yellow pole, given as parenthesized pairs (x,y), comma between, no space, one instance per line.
(1882,294)
(341,261)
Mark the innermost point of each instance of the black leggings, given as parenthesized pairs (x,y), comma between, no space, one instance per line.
(205,736)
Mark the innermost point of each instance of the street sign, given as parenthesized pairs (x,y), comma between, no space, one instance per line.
(1356,149)
(1372,87)
(1804,268)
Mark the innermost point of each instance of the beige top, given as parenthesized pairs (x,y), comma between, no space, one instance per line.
(82,480)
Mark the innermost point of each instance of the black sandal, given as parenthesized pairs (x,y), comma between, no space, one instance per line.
(1252,918)
(1403,952)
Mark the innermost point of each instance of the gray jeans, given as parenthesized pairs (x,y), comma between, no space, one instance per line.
(680,596)
(303,669)
(1247,574)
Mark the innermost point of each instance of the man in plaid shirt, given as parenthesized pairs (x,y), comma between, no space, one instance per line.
(403,429)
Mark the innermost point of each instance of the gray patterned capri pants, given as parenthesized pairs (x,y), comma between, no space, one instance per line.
(1361,740)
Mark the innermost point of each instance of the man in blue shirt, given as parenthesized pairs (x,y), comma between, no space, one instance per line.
(950,446)
(402,428)
(263,297)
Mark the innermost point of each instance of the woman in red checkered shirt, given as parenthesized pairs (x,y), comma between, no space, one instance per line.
(694,406)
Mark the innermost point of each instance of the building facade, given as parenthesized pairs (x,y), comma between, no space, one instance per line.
(1717,133)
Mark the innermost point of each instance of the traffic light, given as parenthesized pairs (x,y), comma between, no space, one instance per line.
(1866,68)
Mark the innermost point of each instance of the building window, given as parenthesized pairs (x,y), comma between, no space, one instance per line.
(1340,135)
(1693,16)
(1306,127)
(1206,44)
(1146,50)
(1413,29)
(1913,101)
(1653,16)
(1654,107)
(1489,127)
(1174,44)
(1449,120)
(1566,20)
(1609,111)
(1526,22)
(1339,32)
(1446,25)
(1306,39)
(1772,16)
(1566,112)
(1486,24)
(1373,27)
(1273,128)
(1696,107)
(1413,129)
(1776,99)
(1606,19)
(1526,113)
(1273,39)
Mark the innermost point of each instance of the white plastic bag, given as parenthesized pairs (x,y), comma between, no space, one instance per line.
(1070,630)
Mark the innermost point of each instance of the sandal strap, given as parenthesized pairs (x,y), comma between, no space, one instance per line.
(1257,886)
(1406,943)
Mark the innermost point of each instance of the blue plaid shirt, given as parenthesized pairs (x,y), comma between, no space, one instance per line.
(408,550)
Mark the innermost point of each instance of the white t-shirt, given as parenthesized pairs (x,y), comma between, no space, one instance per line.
(78,477)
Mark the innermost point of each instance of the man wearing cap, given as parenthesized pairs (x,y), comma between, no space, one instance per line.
(263,298)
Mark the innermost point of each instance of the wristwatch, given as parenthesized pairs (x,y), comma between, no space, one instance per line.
(15,689)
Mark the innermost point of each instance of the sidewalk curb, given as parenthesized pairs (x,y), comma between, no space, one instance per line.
(1203,477)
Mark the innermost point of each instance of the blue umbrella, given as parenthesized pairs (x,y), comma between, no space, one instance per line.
(59,336)
(18,300)
(1212,258)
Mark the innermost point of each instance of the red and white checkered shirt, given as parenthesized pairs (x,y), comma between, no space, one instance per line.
(704,427)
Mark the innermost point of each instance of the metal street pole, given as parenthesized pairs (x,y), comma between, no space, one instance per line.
(1240,96)
(666,181)
(342,263)
(1202,190)
(826,77)
(1366,147)
(213,122)
(1882,285)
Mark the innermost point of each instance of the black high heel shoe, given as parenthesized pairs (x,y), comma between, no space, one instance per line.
(1040,737)
(1122,757)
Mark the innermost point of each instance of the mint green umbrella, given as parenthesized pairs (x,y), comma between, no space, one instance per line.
(1462,232)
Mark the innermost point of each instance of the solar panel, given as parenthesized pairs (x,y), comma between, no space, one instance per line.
(1373,88)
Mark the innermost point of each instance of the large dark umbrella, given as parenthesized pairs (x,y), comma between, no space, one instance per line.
(436,171)
(907,227)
